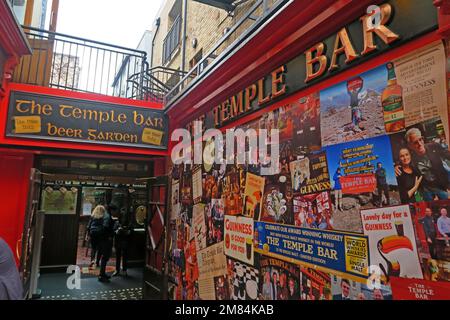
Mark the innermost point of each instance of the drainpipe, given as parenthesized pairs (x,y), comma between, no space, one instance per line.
(158,22)
(183,49)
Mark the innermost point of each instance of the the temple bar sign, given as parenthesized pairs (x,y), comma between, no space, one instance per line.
(46,117)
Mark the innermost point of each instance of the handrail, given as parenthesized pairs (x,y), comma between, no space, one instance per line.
(77,64)
(177,90)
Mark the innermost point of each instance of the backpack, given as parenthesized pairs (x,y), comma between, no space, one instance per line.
(96,227)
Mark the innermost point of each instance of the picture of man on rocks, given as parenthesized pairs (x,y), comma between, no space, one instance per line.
(362,177)
(352,110)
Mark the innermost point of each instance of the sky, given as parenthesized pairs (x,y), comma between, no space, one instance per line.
(119,22)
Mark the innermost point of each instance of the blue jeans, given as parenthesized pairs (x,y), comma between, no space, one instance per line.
(429,195)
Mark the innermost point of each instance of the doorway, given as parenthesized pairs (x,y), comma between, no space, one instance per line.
(70,190)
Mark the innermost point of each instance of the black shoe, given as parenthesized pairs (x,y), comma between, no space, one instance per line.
(103,279)
(116,273)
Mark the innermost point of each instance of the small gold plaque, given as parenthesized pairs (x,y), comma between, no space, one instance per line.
(27,124)
(152,136)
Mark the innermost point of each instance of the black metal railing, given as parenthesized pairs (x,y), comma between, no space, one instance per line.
(172,40)
(77,64)
(157,82)
(237,35)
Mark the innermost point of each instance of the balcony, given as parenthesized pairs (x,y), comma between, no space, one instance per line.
(172,40)
(76,64)
(246,26)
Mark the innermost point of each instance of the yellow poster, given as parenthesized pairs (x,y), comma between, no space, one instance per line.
(152,136)
(254,189)
(27,124)
(423,80)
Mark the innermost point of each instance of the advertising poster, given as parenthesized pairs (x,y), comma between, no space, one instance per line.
(186,186)
(392,242)
(214,217)
(175,205)
(233,189)
(197,184)
(276,204)
(254,189)
(352,110)
(211,184)
(310,174)
(239,238)
(279,119)
(244,281)
(211,263)
(362,177)
(191,272)
(314,284)
(59,201)
(422,77)
(345,289)
(279,280)
(306,115)
(338,251)
(431,222)
(313,211)
(416,289)
(422,160)
(199,226)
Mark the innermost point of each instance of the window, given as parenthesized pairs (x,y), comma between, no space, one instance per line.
(196,59)
(173,37)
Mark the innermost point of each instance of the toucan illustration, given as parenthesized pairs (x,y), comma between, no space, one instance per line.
(387,245)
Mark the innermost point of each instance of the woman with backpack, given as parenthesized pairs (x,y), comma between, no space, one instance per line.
(95,228)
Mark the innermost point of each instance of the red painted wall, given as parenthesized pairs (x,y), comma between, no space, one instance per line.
(14,181)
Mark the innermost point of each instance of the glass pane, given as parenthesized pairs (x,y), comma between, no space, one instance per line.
(55,163)
(137,167)
(113,166)
(59,200)
(19,7)
(83,164)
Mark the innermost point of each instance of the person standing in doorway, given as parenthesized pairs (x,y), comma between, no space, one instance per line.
(10,283)
(122,232)
(95,229)
(106,241)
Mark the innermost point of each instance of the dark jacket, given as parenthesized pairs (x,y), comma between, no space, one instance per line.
(10,283)
(428,227)
(431,167)
(122,227)
(108,225)
(380,174)
(95,227)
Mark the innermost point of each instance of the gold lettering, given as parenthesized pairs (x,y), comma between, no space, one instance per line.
(278,78)
(63,107)
(261,98)
(224,115)
(319,58)
(347,48)
(250,95)
(381,30)
(122,118)
(216,116)
(237,104)
(19,105)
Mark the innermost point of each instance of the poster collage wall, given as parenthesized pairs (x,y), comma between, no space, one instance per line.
(362,187)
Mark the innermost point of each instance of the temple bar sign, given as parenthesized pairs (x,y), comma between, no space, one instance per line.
(36,116)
